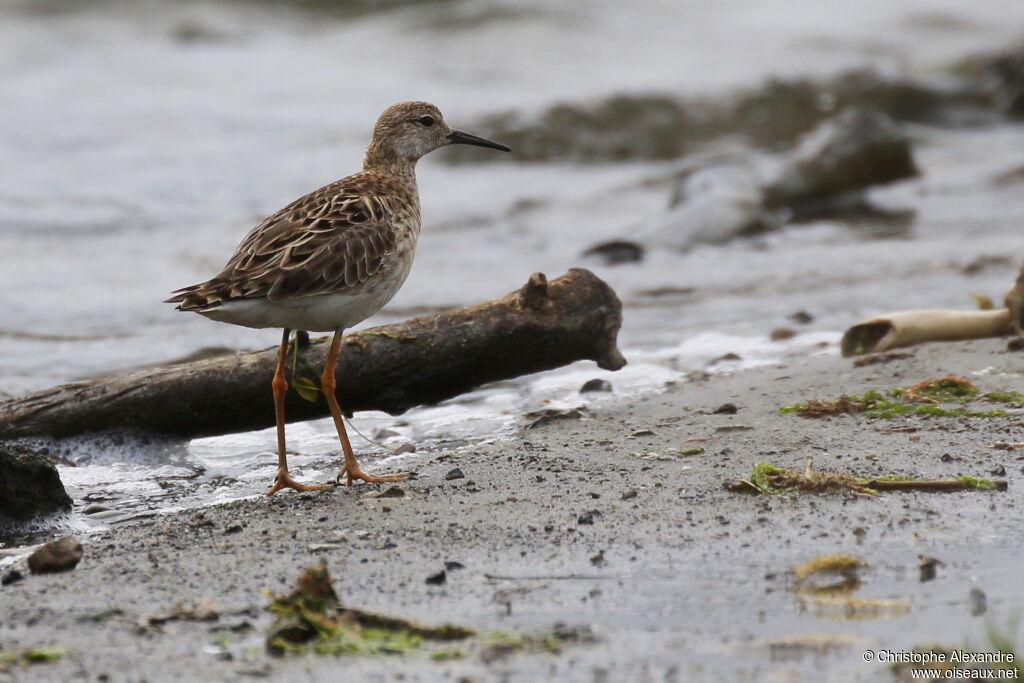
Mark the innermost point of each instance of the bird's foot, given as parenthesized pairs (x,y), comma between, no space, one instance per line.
(284,481)
(350,474)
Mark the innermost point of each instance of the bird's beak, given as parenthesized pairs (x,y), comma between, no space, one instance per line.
(457,137)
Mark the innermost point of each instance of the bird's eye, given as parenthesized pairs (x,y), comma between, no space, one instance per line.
(427,120)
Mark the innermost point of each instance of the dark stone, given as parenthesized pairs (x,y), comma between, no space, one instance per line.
(856,149)
(802,318)
(1007,72)
(56,556)
(595,384)
(393,492)
(29,485)
(726,409)
(454,474)
(587,518)
(782,333)
(437,579)
(10,577)
(615,252)
(1015,344)
(452,565)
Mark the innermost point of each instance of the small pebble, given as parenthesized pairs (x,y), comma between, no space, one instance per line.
(629,494)
(595,385)
(393,492)
(56,556)
(437,579)
(802,318)
(454,474)
(10,577)
(782,333)
(726,409)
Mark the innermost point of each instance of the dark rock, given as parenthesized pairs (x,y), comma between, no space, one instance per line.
(1007,74)
(614,252)
(802,318)
(437,579)
(782,333)
(928,567)
(726,409)
(10,577)
(977,602)
(725,357)
(451,565)
(233,529)
(629,494)
(393,492)
(595,385)
(587,518)
(56,556)
(858,148)
(454,474)
(29,485)
(1015,344)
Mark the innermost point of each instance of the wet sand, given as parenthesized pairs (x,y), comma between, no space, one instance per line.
(681,581)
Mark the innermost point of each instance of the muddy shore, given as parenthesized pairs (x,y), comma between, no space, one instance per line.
(600,523)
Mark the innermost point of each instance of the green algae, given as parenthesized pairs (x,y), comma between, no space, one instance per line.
(899,402)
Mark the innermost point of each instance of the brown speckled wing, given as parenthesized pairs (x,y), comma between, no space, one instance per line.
(329,241)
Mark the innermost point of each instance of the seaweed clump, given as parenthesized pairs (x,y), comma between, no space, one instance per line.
(310,618)
(935,397)
(769,479)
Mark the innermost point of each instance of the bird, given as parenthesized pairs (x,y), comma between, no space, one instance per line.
(331,259)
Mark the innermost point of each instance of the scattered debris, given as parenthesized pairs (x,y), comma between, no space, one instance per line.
(923,398)
(769,479)
(928,567)
(310,618)
(36,655)
(829,574)
(850,608)
(879,358)
(539,418)
(203,610)
(587,518)
(977,602)
(61,555)
(814,644)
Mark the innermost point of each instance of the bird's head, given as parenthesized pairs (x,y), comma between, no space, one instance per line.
(407,131)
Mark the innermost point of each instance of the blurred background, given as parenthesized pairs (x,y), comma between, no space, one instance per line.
(751,177)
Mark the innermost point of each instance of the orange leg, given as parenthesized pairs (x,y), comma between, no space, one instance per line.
(280,385)
(351,470)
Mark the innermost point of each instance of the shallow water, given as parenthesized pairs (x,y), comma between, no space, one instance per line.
(140,142)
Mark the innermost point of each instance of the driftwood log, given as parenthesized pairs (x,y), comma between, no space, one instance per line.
(905,328)
(391,368)
(894,330)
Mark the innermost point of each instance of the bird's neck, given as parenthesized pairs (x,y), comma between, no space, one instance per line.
(384,159)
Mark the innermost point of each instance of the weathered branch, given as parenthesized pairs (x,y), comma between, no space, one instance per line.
(932,485)
(895,330)
(391,368)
